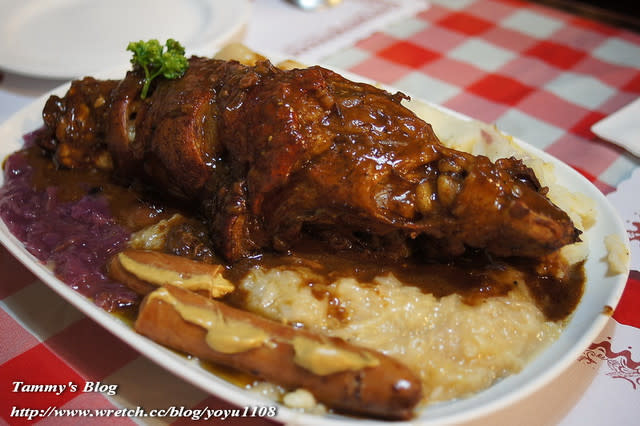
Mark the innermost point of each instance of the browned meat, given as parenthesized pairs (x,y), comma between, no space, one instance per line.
(77,123)
(277,157)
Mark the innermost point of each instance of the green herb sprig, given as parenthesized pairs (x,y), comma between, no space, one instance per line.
(154,60)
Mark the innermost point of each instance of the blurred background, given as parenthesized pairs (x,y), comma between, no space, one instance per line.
(623,13)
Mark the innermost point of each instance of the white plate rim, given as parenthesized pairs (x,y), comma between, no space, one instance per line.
(226,22)
(584,327)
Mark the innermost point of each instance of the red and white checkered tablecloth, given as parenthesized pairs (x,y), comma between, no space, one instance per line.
(541,75)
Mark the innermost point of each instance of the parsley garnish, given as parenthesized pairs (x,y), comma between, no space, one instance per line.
(152,58)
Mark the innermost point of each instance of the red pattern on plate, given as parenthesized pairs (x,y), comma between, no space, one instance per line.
(634,231)
(620,364)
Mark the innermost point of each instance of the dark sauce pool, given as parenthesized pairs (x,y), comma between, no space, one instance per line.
(75,220)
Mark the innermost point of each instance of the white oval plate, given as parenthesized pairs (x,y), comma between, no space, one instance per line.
(587,321)
(62,39)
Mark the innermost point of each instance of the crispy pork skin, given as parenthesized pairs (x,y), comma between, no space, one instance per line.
(275,158)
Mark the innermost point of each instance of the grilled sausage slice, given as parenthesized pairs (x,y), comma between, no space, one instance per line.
(345,377)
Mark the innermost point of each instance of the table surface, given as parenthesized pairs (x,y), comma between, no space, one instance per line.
(540,74)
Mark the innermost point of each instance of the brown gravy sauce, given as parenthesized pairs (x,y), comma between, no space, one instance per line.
(133,207)
(475,277)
